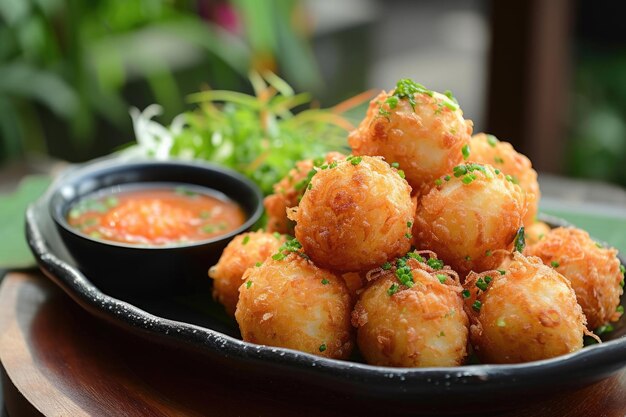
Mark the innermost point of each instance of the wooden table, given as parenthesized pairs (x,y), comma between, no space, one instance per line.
(60,361)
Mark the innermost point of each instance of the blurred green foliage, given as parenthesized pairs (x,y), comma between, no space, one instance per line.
(74,59)
(597,148)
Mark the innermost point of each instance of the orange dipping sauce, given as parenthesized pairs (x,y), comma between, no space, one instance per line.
(156,215)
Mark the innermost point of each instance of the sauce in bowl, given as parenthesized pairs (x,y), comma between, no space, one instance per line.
(155,214)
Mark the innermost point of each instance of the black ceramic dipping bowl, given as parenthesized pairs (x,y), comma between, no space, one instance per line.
(123,269)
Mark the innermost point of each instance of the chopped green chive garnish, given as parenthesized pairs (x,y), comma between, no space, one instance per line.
(442,277)
(519,242)
(436,264)
(322,347)
(480,283)
(497,171)
(248,284)
(403,272)
(245,240)
(492,140)
(408,235)
(511,179)
(465,293)
(415,256)
(386,266)
(459,170)
(276,235)
(488,253)
(447,178)
(500,322)
(356,160)
(622,269)
(258,264)
(401,174)
(465,151)
(554,264)
(498,160)
(477,305)
(278,256)
(438,182)
(325,281)
(467,179)
(409,224)
(620,309)
(468,258)
(393,289)
(488,279)
(501,271)
(395,165)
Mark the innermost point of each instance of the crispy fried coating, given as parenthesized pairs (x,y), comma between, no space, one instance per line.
(469,217)
(288,191)
(243,252)
(487,149)
(535,232)
(529,313)
(355,216)
(593,270)
(292,303)
(425,139)
(417,326)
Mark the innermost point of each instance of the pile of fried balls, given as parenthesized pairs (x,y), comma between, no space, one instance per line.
(420,247)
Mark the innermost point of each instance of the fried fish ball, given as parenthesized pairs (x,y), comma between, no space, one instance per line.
(243,252)
(468,217)
(355,216)
(289,190)
(535,232)
(292,303)
(529,313)
(487,149)
(422,130)
(420,325)
(593,270)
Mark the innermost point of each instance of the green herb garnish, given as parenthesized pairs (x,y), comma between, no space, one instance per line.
(393,289)
(435,264)
(519,242)
(465,151)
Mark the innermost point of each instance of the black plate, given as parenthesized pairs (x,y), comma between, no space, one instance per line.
(197,323)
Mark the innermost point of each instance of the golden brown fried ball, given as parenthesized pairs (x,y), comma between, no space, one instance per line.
(529,313)
(355,216)
(593,270)
(355,281)
(469,217)
(417,326)
(426,139)
(536,232)
(243,252)
(289,190)
(292,303)
(487,149)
